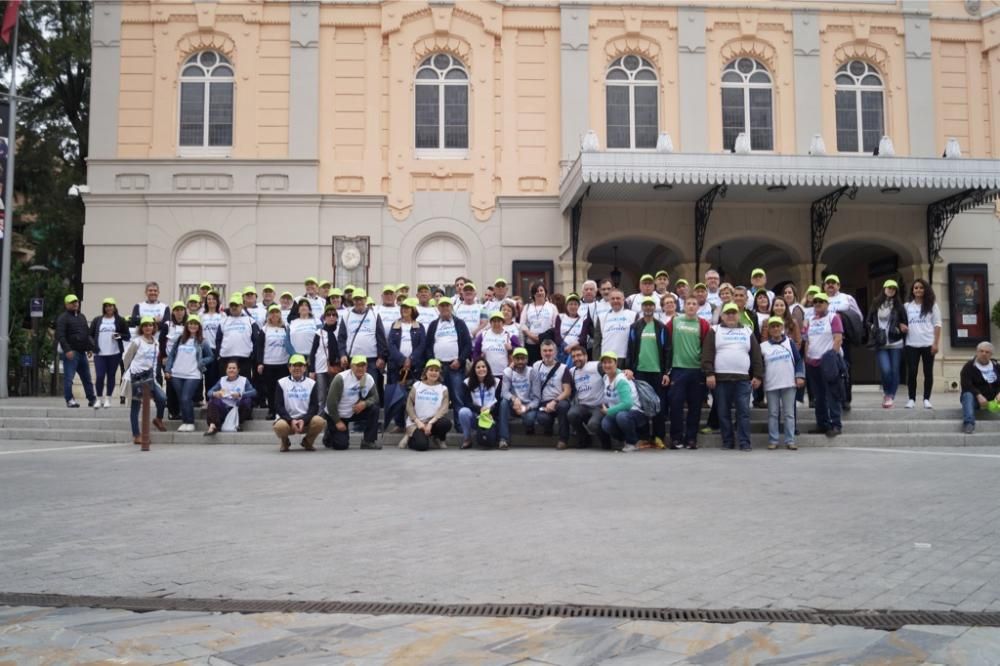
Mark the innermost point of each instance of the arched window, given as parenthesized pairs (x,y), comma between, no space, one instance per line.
(747,105)
(860,108)
(201,258)
(442,104)
(439,259)
(206,117)
(631,103)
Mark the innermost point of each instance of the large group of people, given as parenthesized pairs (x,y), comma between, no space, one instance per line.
(631,371)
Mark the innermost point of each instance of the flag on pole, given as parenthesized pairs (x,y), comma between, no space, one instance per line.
(9,20)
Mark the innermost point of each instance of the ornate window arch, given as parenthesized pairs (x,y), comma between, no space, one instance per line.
(860,107)
(201,257)
(207,87)
(441,99)
(439,258)
(747,104)
(631,103)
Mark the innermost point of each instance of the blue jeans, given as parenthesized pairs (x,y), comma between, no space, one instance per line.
(454,379)
(781,403)
(545,420)
(826,406)
(888,369)
(107,369)
(156,393)
(186,390)
(78,365)
(687,387)
(507,411)
(468,420)
(734,394)
(586,421)
(969,408)
(623,427)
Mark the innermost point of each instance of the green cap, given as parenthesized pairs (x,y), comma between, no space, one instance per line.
(573,297)
(350,287)
(609,354)
(730,307)
(496,315)
(238,295)
(813,289)
(389,289)
(109,301)
(646,278)
(369,301)
(647,300)
(411,302)
(821,297)
(359,359)
(680,282)
(249,290)
(831,278)
(236,299)
(775,321)
(469,285)
(402,286)
(205,285)
(520,351)
(701,285)
(336,292)
(147,320)
(357,293)
(71,298)
(268,287)
(500,280)
(890,284)
(330,307)
(178,304)
(423,286)
(274,307)
(194,298)
(433,302)
(297,359)
(757,271)
(288,294)
(485,421)
(311,280)
(433,363)
(194,318)
(444,300)
(325,283)
(663,273)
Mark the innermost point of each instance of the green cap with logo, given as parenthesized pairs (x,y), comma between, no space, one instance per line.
(890,284)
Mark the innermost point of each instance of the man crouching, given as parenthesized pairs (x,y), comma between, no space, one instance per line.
(297,406)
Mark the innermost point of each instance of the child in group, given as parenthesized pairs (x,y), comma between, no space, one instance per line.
(784,373)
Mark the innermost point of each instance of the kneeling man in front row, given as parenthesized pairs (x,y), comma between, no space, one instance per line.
(352,399)
(297,406)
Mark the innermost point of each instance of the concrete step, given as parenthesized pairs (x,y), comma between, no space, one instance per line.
(118,420)
(759,440)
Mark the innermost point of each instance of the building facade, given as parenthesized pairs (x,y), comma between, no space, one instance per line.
(233,141)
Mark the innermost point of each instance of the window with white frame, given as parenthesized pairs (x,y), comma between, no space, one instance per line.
(631,91)
(206,114)
(441,93)
(747,104)
(860,107)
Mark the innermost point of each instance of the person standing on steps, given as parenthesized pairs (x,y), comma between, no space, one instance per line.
(784,373)
(76,346)
(923,339)
(733,367)
(887,326)
(108,331)
(141,359)
(825,372)
(274,348)
(649,357)
(185,369)
(852,321)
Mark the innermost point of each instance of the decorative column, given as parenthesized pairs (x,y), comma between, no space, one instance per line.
(920,80)
(105,42)
(692,81)
(574,85)
(808,79)
(303,91)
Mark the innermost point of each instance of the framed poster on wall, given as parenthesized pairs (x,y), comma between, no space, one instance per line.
(526,273)
(351,259)
(968,304)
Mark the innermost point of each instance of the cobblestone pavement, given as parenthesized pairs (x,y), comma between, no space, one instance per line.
(832,528)
(77,636)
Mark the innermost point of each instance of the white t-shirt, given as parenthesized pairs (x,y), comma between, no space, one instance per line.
(779,365)
(106,344)
(987,371)
(145,355)
(302,332)
(427,400)
(482,396)
(355,390)
(229,388)
(884,313)
(446,341)
(635,302)
(732,350)
(210,326)
(360,328)
(389,314)
(493,348)
(275,349)
(426,314)
(539,318)
(614,330)
(237,337)
(588,383)
(611,391)
(472,315)
(186,361)
(569,330)
(296,395)
(921,328)
(405,339)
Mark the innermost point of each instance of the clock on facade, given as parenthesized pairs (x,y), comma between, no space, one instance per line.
(350,260)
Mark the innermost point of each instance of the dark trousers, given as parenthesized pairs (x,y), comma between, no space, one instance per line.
(586,421)
(419,441)
(173,401)
(185,390)
(106,368)
(340,440)
(545,419)
(824,403)
(217,410)
(73,366)
(156,394)
(914,356)
(454,379)
(211,376)
(849,380)
(687,388)
(735,394)
(269,383)
(659,422)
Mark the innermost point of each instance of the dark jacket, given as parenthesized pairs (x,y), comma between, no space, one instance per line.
(464,340)
(282,412)
(897,317)
(121,328)
(418,338)
(708,360)
(73,333)
(582,328)
(134,319)
(973,382)
(664,347)
(332,349)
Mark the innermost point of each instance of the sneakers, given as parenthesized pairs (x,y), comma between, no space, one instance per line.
(691,446)
(503,446)
(371,445)
(676,445)
(910,404)
(559,445)
(92,402)
(833,432)
(442,444)
(629,448)
(968,428)
(927,404)
(791,446)
(887,402)
(185,427)
(772,447)
(73,404)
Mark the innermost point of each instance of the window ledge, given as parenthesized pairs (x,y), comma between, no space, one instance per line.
(441,154)
(205,151)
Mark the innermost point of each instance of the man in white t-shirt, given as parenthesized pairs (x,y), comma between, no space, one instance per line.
(352,398)
(980,380)
(468,309)
(585,415)
(296,405)
(612,327)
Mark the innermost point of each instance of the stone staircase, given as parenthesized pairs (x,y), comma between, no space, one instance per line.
(867,425)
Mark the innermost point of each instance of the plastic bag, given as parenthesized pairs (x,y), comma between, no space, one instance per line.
(232,420)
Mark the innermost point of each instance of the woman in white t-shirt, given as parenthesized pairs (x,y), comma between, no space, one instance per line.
(140,361)
(923,338)
(427,410)
(108,332)
(538,321)
(185,368)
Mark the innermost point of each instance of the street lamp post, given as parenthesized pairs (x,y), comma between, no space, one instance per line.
(36,326)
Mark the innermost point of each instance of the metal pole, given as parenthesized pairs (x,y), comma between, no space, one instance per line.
(8,224)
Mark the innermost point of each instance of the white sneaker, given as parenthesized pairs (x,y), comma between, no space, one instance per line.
(928,405)
(442,444)
(629,448)
(910,404)
(185,427)
(107,402)
(403,441)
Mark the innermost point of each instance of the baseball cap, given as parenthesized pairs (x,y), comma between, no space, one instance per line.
(178,304)
(757,271)
(519,351)
(730,307)
(774,321)
(325,283)
(648,299)
(205,285)
(646,278)
(389,289)
(821,297)
(359,359)
(194,298)
(499,280)
(444,300)
(194,318)
(609,354)
(70,298)
(831,278)
(287,293)
(311,280)
(813,289)
(249,290)
(573,297)
(109,301)
(358,293)
(273,306)
(268,287)
(469,285)
(496,315)
(662,273)
(147,320)
(432,363)
(411,302)
(236,299)
(680,282)
(890,284)
(297,359)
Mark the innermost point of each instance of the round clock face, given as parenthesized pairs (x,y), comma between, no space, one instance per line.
(350,258)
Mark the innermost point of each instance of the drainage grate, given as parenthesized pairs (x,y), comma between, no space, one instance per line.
(889,620)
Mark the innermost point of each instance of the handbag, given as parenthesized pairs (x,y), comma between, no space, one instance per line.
(232,421)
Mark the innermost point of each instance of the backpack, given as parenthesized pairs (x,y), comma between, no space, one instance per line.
(649,399)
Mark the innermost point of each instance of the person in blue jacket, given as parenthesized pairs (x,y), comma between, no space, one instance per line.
(185,368)
(449,341)
(407,342)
